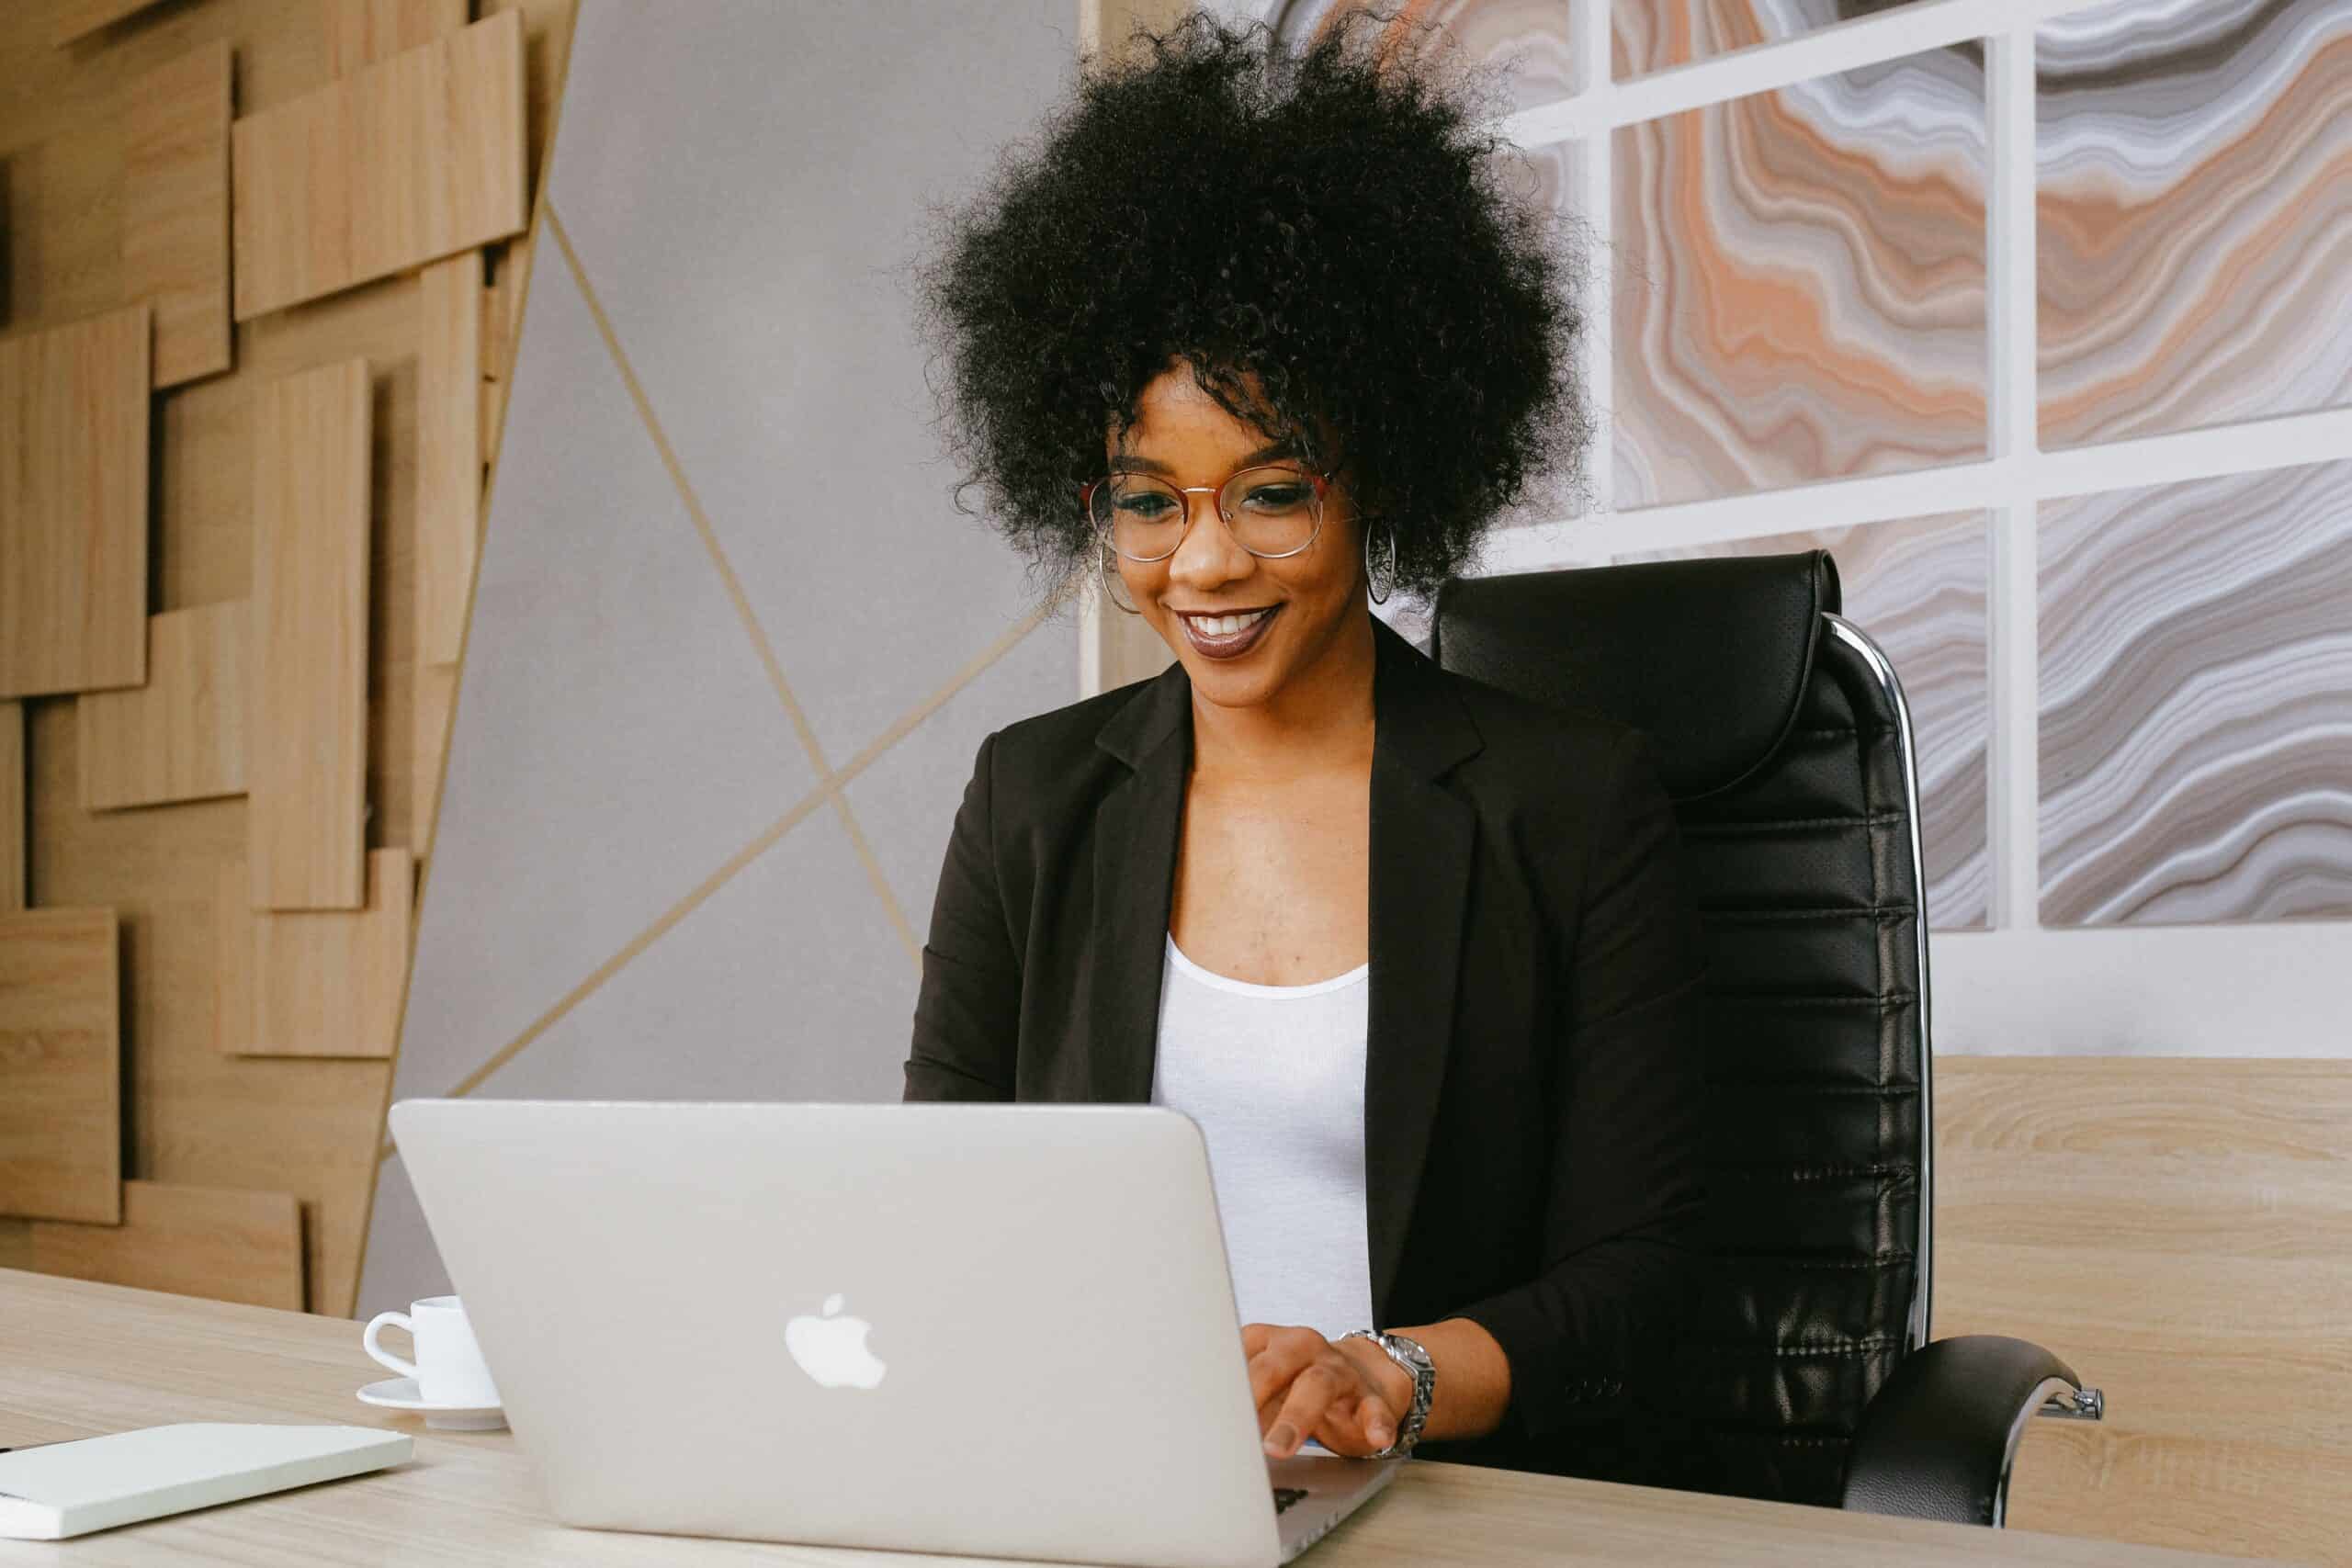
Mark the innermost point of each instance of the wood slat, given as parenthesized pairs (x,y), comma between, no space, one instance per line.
(181,735)
(306,761)
(175,210)
(314,982)
(61,1066)
(2180,1231)
(448,453)
(78,18)
(435,696)
(392,166)
(14,828)
(74,505)
(362,32)
(224,1243)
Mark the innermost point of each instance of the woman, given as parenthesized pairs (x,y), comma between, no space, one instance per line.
(1263,333)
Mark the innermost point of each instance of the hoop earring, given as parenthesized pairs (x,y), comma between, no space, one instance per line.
(1103,575)
(1372,579)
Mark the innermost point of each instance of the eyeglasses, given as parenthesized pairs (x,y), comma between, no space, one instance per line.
(1271,512)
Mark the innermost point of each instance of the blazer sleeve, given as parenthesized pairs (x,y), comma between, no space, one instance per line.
(1625,1200)
(967,1008)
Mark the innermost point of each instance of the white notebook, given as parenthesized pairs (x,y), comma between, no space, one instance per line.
(66,1489)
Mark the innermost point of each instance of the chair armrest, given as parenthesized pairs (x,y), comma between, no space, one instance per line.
(1937,1441)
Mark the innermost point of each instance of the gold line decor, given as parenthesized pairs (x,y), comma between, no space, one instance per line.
(306,763)
(74,505)
(830,787)
(182,735)
(61,1066)
(766,650)
(175,210)
(221,1242)
(392,166)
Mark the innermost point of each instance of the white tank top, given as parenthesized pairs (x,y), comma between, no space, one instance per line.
(1275,1077)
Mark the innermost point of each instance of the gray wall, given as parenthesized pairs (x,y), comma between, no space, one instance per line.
(720,703)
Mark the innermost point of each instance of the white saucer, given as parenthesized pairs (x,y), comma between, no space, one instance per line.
(400,1393)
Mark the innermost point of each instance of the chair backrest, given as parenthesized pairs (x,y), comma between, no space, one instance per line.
(1783,739)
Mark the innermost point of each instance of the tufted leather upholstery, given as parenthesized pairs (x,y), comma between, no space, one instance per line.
(1788,759)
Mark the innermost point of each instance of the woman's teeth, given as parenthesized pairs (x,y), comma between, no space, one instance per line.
(1226,625)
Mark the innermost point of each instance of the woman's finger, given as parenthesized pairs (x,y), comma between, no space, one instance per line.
(1302,1408)
(1376,1421)
(1286,1353)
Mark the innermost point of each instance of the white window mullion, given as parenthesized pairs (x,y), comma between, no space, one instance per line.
(2013,800)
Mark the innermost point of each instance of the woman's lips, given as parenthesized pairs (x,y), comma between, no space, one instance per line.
(1232,645)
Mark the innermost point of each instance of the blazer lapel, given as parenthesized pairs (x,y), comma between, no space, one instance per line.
(1137,829)
(1421,842)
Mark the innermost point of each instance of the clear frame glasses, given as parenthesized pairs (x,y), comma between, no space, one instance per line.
(1271,510)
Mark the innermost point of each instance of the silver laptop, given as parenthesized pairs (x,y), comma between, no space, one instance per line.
(1004,1330)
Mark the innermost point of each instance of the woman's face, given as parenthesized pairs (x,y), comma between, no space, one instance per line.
(1304,603)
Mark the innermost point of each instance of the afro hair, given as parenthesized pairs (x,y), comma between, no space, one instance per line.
(1328,222)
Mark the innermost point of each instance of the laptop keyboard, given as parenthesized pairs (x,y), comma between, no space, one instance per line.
(1285,1495)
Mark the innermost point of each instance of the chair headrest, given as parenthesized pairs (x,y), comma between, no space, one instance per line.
(1710,655)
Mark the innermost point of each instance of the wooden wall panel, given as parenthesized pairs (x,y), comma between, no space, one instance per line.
(437,701)
(13,826)
(305,1125)
(362,32)
(74,505)
(176,210)
(448,453)
(306,763)
(78,18)
(390,167)
(315,982)
(61,1066)
(224,1242)
(181,735)
(2180,1231)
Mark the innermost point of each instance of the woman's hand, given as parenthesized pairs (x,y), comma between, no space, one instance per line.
(1347,1396)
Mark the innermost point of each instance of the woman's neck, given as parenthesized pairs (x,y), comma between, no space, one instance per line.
(1321,718)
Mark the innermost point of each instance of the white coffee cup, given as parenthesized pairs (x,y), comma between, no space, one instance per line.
(449,1367)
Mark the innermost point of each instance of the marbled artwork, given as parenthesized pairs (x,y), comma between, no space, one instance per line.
(1529,36)
(2194,214)
(1799,283)
(1651,35)
(2196,710)
(1918,586)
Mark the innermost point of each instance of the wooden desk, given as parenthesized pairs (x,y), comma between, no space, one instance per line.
(78,1360)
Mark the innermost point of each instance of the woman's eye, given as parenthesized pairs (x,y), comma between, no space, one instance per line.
(1277,498)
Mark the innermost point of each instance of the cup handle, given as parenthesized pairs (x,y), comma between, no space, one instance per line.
(377,1325)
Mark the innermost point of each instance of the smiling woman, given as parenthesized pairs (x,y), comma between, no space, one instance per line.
(1254,337)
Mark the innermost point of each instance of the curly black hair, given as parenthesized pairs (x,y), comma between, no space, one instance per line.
(1333,219)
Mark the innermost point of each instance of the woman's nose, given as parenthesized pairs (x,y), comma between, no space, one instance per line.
(1208,554)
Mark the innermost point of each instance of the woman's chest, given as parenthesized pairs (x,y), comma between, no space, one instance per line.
(1273,885)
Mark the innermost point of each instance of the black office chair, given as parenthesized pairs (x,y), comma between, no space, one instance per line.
(1783,739)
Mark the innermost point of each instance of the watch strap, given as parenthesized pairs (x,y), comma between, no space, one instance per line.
(1415,1361)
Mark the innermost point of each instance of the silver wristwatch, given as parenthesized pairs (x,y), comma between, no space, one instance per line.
(1408,1354)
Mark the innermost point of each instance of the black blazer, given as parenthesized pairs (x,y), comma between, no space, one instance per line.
(1534,1068)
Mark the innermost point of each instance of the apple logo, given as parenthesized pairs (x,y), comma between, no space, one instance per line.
(831,1348)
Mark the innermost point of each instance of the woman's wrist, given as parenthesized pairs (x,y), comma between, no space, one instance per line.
(1473,1389)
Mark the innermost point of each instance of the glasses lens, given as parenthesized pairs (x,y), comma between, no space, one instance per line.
(1144,516)
(1273,511)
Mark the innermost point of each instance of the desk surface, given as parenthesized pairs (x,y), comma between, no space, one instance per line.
(78,1360)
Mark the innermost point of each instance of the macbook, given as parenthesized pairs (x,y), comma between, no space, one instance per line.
(1004,1330)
